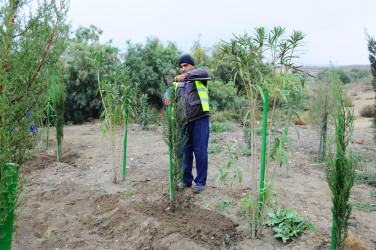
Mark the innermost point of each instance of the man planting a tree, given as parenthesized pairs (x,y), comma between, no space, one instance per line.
(190,90)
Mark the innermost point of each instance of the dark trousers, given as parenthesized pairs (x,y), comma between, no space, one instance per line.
(197,133)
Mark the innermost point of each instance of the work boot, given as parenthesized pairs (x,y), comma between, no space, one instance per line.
(183,184)
(198,189)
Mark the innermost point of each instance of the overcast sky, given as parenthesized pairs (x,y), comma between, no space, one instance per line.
(334,28)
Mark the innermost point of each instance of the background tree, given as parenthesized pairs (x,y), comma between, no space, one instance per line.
(150,64)
(32,40)
(82,101)
(320,106)
(372,59)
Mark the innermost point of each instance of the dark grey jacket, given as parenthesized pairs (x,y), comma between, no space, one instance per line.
(188,102)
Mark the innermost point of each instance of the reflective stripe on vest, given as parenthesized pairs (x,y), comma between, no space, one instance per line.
(202,91)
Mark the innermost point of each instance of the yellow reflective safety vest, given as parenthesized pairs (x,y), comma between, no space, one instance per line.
(203,94)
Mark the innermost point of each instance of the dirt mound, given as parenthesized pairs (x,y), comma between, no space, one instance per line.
(151,224)
(45,159)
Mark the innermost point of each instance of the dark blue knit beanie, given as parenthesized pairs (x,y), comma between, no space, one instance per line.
(186,59)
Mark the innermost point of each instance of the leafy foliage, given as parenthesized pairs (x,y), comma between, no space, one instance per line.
(150,64)
(220,127)
(223,96)
(287,225)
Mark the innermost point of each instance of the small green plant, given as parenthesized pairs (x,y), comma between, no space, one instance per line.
(220,127)
(223,204)
(97,220)
(128,192)
(46,235)
(58,107)
(229,173)
(143,110)
(287,225)
(214,149)
(104,225)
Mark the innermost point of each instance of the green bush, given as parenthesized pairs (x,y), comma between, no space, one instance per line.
(358,74)
(368,111)
(223,96)
(344,77)
(223,116)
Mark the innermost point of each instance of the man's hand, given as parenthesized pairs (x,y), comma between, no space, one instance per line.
(167,101)
(179,78)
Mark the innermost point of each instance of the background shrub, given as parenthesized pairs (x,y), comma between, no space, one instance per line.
(368,111)
(344,77)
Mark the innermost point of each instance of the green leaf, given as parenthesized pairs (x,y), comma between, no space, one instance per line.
(283,95)
(297,131)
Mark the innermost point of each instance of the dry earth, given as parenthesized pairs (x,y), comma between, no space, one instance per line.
(73,204)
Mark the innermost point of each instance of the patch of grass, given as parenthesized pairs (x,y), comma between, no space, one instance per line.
(367,174)
(246,151)
(366,207)
(223,116)
(214,140)
(220,127)
(366,178)
(370,206)
(214,149)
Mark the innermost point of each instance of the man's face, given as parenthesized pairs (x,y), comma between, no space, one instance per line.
(186,67)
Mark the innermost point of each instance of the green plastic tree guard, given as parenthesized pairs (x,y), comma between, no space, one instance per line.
(125,139)
(170,149)
(263,149)
(56,122)
(9,180)
(48,121)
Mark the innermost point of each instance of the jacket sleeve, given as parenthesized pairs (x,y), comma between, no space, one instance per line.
(197,73)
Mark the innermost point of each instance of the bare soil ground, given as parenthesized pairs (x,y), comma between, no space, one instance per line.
(73,204)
